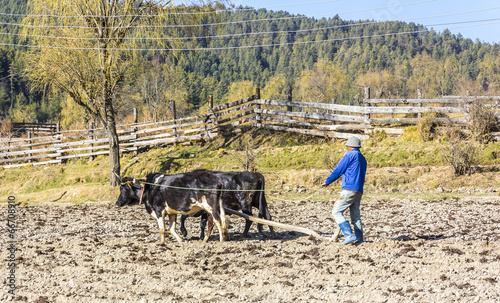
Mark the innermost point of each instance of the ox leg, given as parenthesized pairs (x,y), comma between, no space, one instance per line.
(218,216)
(248,223)
(220,222)
(183,227)
(223,223)
(264,212)
(268,217)
(220,226)
(211,224)
(203,224)
(171,221)
(161,227)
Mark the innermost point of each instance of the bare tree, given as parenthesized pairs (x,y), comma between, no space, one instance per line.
(6,129)
(161,84)
(482,120)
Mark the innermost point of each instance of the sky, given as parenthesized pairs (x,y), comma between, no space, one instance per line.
(478,19)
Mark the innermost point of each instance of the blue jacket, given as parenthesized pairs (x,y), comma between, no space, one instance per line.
(352,168)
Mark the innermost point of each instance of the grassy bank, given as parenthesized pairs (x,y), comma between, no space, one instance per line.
(403,166)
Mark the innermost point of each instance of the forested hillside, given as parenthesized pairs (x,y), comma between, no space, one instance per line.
(319,59)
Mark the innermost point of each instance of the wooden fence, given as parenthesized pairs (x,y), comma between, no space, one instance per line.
(19,128)
(316,119)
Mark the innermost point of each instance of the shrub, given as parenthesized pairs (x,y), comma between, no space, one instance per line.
(427,129)
(461,155)
(378,135)
(482,121)
(452,133)
(331,159)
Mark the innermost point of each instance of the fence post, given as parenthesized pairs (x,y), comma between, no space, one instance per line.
(467,106)
(30,148)
(367,114)
(136,118)
(174,116)
(258,117)
(419,96)
(91,138)
(289,108)
(210,119)
(333,111)
(59,149)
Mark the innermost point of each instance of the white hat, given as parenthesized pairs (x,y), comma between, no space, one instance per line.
(353,142)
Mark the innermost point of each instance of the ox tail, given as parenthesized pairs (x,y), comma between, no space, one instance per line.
(263,209)
(222,214)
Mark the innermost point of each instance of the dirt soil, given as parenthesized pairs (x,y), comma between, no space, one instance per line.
(415,251)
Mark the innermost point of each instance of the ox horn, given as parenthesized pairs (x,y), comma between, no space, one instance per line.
(118,176)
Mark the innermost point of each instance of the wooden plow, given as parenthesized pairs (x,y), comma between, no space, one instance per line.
(289,227)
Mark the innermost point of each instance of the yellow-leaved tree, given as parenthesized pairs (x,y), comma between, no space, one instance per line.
(239,90)
(382,84)
(277,88)
(84,47)
(321,84)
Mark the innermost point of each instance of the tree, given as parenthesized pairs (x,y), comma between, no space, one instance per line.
(240,90)
(277,88)
(82,48)
(423,76)
(382,83)
(160,84)
(322,84)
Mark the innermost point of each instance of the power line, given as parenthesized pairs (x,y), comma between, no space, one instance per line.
(168,14)
(305,3)
(212,24)
(11,75)
(122,16)
(272,32)
(239,47)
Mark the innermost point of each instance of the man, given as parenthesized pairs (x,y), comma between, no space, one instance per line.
(352,168)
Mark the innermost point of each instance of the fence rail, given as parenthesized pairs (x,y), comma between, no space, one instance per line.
(315,119)
(39,128)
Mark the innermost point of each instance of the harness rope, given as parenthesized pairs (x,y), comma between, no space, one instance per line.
(142,183)
(215,189)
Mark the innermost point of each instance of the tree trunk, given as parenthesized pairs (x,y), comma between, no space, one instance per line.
(114,150)
(109,116)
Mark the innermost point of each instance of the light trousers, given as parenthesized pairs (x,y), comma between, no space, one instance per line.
(348,199)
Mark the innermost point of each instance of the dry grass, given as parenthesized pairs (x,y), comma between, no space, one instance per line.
(403,165)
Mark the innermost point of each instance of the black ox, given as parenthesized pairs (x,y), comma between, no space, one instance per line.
(166,195)
(240,191)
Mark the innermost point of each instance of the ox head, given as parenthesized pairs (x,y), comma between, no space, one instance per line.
(130,191)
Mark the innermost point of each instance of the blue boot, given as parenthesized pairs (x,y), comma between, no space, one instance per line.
(347,231)
(359,234)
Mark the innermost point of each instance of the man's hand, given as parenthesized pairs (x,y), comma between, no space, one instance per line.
(324,185)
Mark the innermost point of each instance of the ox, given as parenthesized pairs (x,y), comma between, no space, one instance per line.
(240,191)
(167,195)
